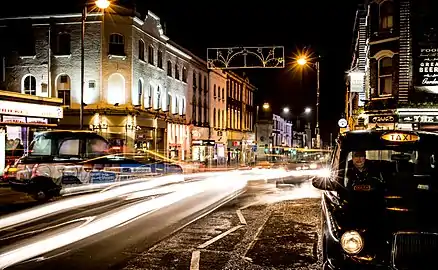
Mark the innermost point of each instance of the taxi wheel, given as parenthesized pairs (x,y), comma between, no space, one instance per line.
(41,196)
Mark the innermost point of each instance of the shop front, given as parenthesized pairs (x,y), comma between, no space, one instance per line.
(202,145)
(418,119)
(178,137)
(21,118)
(241,147)
(381,121)
(220,147)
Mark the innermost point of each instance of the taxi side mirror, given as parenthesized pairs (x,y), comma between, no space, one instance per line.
(323,183)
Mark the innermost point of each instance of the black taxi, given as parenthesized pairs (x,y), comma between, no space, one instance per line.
(380,201)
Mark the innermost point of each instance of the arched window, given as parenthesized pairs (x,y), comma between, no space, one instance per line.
(29,85)
(116,45)
(214,117)
(169,68)
(136,97)
(151,55)
(158,105)
(385,76)
(148,97)
(116,89)
(141,49)
(386,14)
(63,87)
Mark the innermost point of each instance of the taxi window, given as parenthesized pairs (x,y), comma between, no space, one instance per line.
(41,146)
(69,147)
(95,147)
(385,162)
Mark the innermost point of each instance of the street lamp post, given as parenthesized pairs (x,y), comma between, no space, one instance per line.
(318,137)
(81,110)
(102,4)
(302,60)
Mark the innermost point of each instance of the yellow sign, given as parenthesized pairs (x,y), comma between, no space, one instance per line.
(400,137)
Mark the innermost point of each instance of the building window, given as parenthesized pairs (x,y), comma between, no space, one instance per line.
(63,44)
(194,79)
(139,93)
(116,45)
(386,15)
(160,59)
(149,97)
(214,91)
(214,117)
(183,105)
(29,85)
(169,68)
(158,105)
(176,72)
(63,87)
(385,76)
(141,49)
(184,74)
(151,55)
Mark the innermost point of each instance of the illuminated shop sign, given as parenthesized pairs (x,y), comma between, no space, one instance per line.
(419,119)
(28,109)
(357,82)
(382,119)
(428,67)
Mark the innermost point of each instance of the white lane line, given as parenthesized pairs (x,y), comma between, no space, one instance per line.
(241,217)
(211,241)
(194,263)
(255,239)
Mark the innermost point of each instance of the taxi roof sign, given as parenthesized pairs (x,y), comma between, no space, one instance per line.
(400,137)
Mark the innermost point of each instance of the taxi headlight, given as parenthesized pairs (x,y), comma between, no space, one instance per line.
(352,242)
(313,166)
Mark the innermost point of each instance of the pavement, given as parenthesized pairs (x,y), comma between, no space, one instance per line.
(275,230)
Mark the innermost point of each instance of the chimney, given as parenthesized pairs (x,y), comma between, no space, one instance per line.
(164,28)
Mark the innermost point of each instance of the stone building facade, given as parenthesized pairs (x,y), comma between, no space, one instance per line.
(136,80)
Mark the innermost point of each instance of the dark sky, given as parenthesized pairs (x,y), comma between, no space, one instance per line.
(323,27)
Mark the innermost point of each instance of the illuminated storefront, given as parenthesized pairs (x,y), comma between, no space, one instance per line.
(21,118)
(202,145)
(178,141)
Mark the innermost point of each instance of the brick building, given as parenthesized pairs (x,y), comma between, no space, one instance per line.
(240,119)
(394,68)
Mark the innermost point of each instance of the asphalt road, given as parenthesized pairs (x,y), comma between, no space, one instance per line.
(200,222)
(265,229)
(102,233)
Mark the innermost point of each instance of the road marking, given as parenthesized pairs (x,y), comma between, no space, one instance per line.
(194,263)
(241,217)
(256,238)
(211,241)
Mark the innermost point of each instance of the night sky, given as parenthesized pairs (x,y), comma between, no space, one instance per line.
(319,26)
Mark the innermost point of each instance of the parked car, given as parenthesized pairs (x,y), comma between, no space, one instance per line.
(60,159)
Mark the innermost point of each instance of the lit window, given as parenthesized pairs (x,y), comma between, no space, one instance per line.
(386,15)
(385,76)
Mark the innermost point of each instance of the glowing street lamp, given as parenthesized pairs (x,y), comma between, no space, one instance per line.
(302,60)
(307,110)
(102,4)
(286,110)
(266,106)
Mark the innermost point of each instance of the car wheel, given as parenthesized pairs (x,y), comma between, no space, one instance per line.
(41,196)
